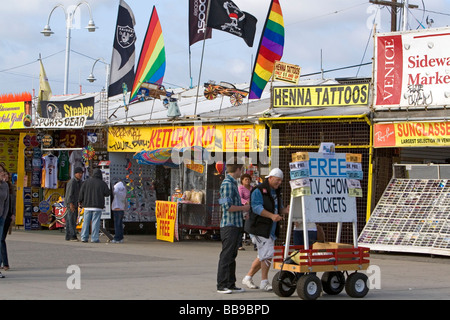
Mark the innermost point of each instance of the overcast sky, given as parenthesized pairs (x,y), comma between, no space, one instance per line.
(340,29)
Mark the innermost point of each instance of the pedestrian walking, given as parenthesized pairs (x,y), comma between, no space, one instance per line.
(244,191)
(71,201)
(92,197)
(231,227)
(4,204)
(265,213)
(118,208)
(4,262)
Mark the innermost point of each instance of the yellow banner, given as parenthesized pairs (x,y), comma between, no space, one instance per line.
(15,115)
(166,217)
(321,96)
(411,134)
(211,137)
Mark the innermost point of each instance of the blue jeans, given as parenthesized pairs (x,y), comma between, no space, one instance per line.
(94,216)
(118,224)
(299,239)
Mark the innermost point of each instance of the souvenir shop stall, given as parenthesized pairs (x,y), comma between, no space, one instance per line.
(181,164)
(15,110)
(49,159)
(63,136)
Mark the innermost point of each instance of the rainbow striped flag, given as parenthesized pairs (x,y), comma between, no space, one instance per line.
(152,61)
(270,50)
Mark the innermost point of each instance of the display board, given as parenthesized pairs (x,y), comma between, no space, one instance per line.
(413,215)
(141,195)
(328,198)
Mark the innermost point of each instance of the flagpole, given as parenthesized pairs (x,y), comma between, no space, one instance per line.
(201,61)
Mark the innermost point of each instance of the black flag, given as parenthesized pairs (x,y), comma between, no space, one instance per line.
(226,16)
(198,9)
(123,56)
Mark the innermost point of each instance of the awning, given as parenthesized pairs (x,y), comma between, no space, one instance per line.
(161,156)
(164,156)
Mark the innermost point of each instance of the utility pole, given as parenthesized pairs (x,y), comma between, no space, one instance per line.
(394,5)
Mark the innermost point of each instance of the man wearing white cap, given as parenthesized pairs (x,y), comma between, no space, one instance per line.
(265,212)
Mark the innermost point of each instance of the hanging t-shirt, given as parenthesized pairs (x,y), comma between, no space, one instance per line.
(63,166)
(76,160)
(50,172)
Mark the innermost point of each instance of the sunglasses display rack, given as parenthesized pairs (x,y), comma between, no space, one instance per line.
(139,180)
(413,215)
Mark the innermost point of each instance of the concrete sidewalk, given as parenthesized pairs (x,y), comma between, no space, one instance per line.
(43,266)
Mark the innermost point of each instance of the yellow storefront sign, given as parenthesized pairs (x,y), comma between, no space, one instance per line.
(166,217)
(14,116)
(211,137)
(321,96)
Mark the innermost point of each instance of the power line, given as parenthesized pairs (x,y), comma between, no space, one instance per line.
(26,64)
(337,69)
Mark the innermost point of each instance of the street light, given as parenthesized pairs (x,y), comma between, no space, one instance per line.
(91,78)
(69,15)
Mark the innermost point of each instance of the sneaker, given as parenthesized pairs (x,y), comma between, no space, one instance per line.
(249,283)
(236,289)
(1,276)
(116,241)
(266,286)
(224,291)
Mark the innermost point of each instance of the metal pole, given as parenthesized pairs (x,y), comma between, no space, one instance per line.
(405,15)
(66,72)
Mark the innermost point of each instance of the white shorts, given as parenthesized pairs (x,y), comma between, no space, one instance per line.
(265,247)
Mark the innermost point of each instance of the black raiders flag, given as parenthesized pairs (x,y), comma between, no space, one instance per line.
(123,56)
(226,16)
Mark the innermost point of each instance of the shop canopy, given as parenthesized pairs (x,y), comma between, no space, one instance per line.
(165,156)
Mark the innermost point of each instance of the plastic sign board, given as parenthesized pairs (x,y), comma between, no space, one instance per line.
(286,72)
(411,134)
(320,96)
(218,138)
(411,68)
(329,200)
(166,218)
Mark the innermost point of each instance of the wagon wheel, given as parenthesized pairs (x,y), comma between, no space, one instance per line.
(333,282)
(356,285)
(236,99)
(210,93)
(309,287)
(284,283)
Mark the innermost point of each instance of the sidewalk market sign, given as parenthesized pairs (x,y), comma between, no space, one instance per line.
(411,68)
(212,137)
(320,96)
(411,134)
(166,220)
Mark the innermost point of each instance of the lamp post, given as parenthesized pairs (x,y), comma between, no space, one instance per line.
(91,78)
(69,15)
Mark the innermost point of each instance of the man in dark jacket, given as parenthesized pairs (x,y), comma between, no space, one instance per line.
(265,213)
(92,198)
(71,201)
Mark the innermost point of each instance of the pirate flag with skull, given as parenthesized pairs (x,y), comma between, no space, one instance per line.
(226,16)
